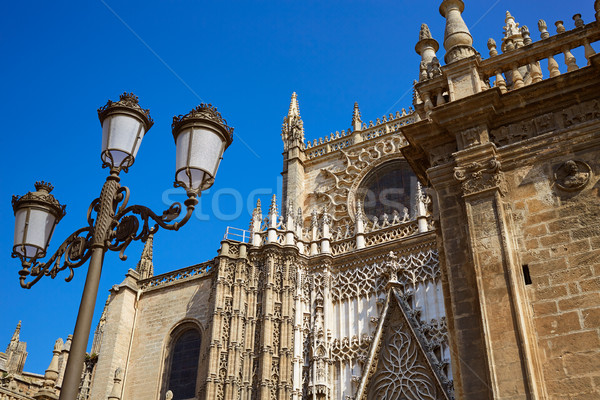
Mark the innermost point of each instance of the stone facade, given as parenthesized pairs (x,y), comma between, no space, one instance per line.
(480,279)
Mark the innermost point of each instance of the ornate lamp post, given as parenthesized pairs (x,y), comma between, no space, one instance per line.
(201,137)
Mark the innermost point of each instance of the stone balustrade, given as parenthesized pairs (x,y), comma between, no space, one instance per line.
(177,275)
(522,63)
(336,141)
(519,67)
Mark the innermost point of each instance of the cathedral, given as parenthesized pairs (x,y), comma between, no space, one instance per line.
(451,250)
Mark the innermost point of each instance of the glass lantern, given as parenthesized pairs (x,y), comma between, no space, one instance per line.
(124,124)
(36,216)
(201,137)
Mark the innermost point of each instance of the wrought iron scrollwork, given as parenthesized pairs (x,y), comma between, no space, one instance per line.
(72,253)
(127,224)
(133,223)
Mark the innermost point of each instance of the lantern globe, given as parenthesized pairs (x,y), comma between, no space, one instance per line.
(124,124)
(201,137)
(36,216)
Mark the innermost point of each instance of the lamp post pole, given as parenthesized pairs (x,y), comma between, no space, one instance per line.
(201,137)
(83,325)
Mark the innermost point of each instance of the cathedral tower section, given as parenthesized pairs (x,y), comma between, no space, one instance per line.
(292,134)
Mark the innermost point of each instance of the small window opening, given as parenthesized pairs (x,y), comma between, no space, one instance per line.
(526,275)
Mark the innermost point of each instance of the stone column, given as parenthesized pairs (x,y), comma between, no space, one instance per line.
(360,226)
(326,237)
(214,381)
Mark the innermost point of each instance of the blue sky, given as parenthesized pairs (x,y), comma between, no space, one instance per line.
(62,60)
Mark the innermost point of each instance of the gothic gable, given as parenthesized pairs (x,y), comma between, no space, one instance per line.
(400,363)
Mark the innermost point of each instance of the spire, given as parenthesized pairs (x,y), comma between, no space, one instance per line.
(15,336)
(256,221)
(426,48)
(145,267)
(457,38)
(273,208)
(356,120)
(292,131)
(294,110)
(257,210)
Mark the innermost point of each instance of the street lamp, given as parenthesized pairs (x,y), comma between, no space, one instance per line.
(201,137)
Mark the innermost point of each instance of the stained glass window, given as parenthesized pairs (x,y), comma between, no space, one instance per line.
(388,188)
(183,371)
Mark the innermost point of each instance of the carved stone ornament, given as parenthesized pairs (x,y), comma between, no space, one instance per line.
(442,154)
(471,137)
(572,175)
(481,176)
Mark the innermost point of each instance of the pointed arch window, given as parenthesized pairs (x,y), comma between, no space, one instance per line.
(183,357)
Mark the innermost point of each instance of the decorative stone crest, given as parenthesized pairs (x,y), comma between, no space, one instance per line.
(572,175)
(479,176)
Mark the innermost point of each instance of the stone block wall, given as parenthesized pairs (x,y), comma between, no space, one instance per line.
(559,243)
(159,311)
(138,324)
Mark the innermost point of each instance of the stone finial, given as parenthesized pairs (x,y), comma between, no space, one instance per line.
(356,118)
(145,267)
(67,346)
(257,210)
(526,35)
(256,220)
(359,211)
(115,393)
(294,110)
(47,391)
(491,45)
(560,28)
(52,371)
(326,218)
(513,39)
(169,395)
(58,345)
(458,41)
(273,215)
(426,48)
(273,207)
(543,28)
(424,33)
(17,333)
(578,21)
(314,218)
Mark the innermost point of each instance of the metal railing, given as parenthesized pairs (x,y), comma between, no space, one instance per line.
(237,235)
